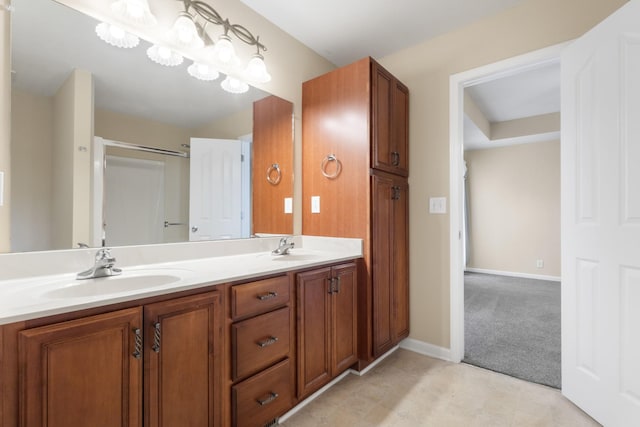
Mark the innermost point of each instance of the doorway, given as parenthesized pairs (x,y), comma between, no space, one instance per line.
(458,84)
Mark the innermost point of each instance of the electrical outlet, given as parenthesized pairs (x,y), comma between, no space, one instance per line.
(539,263)
(315,204)
(288,205)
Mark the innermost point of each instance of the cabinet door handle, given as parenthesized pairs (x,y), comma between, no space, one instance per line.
(272,396)
(337,288)
(137,347)
(156,337)
(268,295)
(266,343)
(395,158)
(331,288)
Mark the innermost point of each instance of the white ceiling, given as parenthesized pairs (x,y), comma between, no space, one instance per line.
(532,92)
(344,31)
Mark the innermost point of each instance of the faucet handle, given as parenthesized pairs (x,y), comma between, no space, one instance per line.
(104,254)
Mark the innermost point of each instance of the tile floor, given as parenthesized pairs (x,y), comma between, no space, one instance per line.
(410,390)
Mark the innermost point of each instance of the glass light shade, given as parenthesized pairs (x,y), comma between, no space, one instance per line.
(164,56)
(224,53)
(256,70)
(184,33)
(233,85)
(203,71)
(116,36)
(135,11)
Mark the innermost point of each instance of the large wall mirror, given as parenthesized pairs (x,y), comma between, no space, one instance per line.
(136,140)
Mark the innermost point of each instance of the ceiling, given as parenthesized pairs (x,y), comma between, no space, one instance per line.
(528,93)
(344,31)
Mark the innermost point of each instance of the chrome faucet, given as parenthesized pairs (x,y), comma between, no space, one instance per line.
(103,267)
(284,246)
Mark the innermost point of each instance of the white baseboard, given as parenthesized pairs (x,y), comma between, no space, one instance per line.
(374,363)
(426,349)
(512,274)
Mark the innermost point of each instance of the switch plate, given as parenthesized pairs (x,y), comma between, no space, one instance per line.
(539,263)
(288,205)
(438,205)
(315,204)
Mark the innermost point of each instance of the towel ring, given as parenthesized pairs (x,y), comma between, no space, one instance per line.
(270,172)
(323,166)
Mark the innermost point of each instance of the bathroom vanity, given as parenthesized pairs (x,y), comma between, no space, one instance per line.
(236,337)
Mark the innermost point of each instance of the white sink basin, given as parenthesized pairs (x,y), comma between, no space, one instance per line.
(127,281)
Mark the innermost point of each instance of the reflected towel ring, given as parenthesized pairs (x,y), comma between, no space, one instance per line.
(270,172)
(323,167)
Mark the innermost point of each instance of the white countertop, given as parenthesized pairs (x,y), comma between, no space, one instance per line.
(24,297)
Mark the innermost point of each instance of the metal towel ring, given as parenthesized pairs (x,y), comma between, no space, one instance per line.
(326,161)
(274,181)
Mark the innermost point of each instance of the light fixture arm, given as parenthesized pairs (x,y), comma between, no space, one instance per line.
(209,14)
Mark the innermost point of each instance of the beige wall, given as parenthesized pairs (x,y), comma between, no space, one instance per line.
(72,137)
(514,206)
(230,127)
(425,69)
(5,128)
(31,154)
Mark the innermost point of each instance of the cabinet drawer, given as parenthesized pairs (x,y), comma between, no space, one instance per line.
(259,297)
(262,397)
(258,342)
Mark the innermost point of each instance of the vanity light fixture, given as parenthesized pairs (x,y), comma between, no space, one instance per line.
(135,11)
(164,56)
(116,36)
(190,35)
(203,72)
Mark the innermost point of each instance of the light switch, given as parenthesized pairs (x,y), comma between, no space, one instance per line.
(288,205)
(315,204)
(438,205)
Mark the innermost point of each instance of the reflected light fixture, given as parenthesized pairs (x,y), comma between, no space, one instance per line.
(136,11)
(233,85)
(116,36)
(164,56)
(203,71)
(256,70)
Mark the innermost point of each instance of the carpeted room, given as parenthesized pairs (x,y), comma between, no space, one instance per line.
(512,288)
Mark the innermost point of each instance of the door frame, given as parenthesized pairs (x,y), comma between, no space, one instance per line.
(457,83)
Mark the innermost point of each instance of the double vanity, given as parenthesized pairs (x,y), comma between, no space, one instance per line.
(209,333)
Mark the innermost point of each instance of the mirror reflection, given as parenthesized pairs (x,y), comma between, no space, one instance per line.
(79,104)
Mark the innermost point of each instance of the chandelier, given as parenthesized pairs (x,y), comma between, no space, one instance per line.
(189,36)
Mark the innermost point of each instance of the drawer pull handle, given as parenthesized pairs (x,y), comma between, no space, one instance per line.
(266,343)
(268,295)
(272,396)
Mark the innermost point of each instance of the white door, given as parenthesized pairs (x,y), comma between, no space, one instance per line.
(601,220)
(215,189)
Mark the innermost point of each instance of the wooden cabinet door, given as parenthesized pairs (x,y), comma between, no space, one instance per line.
(401,260)
(382,260)
(390,120)
(400,128)
(85,372)
(344,313)
(183,361)
(314,369)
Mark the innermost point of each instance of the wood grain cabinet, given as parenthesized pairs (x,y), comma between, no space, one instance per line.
(99,370)
(262,378)
(327,325)
(355,160)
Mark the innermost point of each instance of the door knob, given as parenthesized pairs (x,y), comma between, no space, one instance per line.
(194,228)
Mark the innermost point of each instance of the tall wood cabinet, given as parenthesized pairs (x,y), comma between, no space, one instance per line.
(355,169)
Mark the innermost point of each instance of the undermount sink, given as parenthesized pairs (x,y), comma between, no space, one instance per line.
(127,281)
